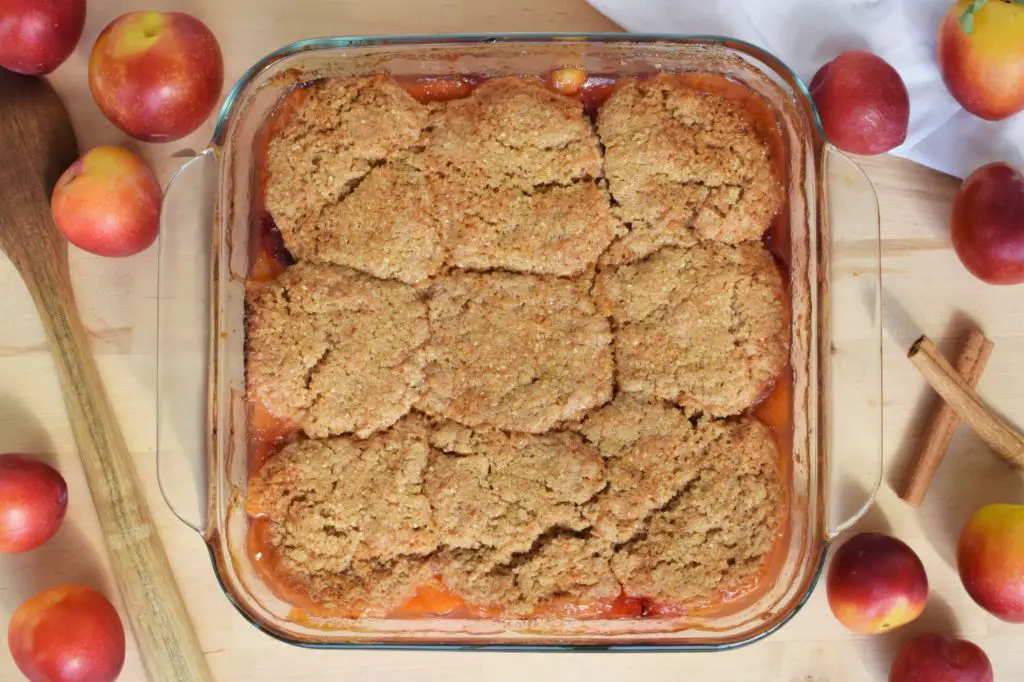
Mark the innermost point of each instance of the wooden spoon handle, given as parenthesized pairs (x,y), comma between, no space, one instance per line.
(167,642)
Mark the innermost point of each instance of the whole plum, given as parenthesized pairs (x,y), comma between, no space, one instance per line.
(33,501)
(863,103)
(69,633)
(988,224)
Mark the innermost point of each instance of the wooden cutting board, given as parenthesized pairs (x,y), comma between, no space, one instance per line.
(927,292)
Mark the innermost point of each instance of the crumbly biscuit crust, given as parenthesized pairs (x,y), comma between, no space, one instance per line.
(335,350)
(683,165)
(497,493)
(518,168)
(516,352)
(341,132)
(345,513)
(703,326)
(518,347)
(717,532)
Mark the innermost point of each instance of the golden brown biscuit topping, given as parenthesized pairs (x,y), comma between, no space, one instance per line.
(653,452)
(336,350)
(716,534)
(517,168)
(343,510)
(386,226)
(530,394)
(497,492)
(702,326)
(683,165)
(516,352)
(559,567)
(343,128)
(513,132)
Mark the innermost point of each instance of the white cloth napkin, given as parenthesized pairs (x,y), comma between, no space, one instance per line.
(807,33)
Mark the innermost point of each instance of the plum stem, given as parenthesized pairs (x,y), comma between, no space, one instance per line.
(967,18)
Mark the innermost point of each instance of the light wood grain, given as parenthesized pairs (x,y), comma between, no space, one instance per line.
(926,291)
(37,142)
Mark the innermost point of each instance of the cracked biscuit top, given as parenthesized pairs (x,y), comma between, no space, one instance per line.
(653,451)
(349,518)
(553,230)
(334,190)
(522,350)
(387,226)
(516,352)
(515,171)
(496,492)
(702,326)
(716,533)
(560,567)
(335,350)
(684,165)
(513,132)
(505,178)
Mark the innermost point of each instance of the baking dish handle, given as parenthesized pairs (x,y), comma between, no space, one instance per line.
(183,341)
(850,341)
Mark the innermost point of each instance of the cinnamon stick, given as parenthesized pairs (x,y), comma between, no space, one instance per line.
(970,364)
(961,398)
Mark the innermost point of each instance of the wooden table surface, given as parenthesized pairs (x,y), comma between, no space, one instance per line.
(926,291)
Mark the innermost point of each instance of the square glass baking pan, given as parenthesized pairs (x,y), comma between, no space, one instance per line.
(829,237)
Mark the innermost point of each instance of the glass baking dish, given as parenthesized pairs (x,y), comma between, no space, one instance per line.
(834,281)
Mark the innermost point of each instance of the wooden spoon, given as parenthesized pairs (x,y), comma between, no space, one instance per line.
(37,143)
